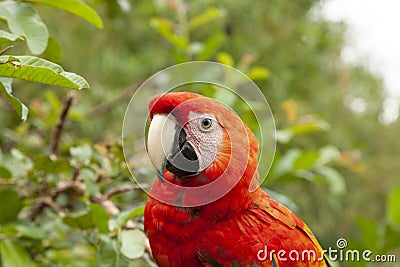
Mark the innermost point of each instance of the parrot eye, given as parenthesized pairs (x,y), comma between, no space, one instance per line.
(206,124)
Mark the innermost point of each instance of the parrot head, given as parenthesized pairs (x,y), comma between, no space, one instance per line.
(190,139)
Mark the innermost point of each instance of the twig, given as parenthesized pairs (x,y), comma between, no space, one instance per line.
(48,196)
(77,187)
(56,138)
(5,49)
(37,208)
(75,176)
(122,189)
(108,205)
(111,209)
(52,204)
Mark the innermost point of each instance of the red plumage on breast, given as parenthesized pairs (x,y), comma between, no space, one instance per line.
(189,239)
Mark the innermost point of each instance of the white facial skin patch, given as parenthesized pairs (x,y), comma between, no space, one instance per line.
(204,134)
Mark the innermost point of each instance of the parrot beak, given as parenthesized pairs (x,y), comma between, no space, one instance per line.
(169,149)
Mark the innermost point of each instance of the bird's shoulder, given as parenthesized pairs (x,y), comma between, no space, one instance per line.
(265,223)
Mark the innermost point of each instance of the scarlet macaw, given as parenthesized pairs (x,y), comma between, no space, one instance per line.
(192,142)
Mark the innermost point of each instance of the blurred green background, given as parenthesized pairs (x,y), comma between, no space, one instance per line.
(337,167)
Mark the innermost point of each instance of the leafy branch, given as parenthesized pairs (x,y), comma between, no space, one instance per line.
(25,24)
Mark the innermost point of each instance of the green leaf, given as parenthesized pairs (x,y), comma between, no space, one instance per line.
(9,37)
(334,178)
(17,163)
(195,48)
(225,58)
(40,70)
(328,154)
(13,254)
(71,253)
(306,160)
(23,20)
(258,73)
(165,29)
(90,180)
(100,217)
(393,206)
(369,231)
(391,237)
(81,154)
(6,90)
(11,206)
(57,166)
(205,17)
(124,5)
(225,96)
(108,256)
(82,220)
(31,231)
(284,136)
(53,51)
(305,174)
(5,173)
(127,215)
(309,127)
(75,7)
(132,243)
(211,46)
(286,162)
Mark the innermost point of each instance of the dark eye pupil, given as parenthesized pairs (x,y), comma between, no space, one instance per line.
(206,123)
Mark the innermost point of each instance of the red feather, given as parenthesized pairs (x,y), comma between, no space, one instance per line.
(239,229)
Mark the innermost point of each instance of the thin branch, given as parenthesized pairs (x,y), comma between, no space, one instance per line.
(76,187)
(52,204)
(47,197)
(56,138)
(108,205)
(111,209)
(5,49)
(122,189)
(39,206)
(75,176)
